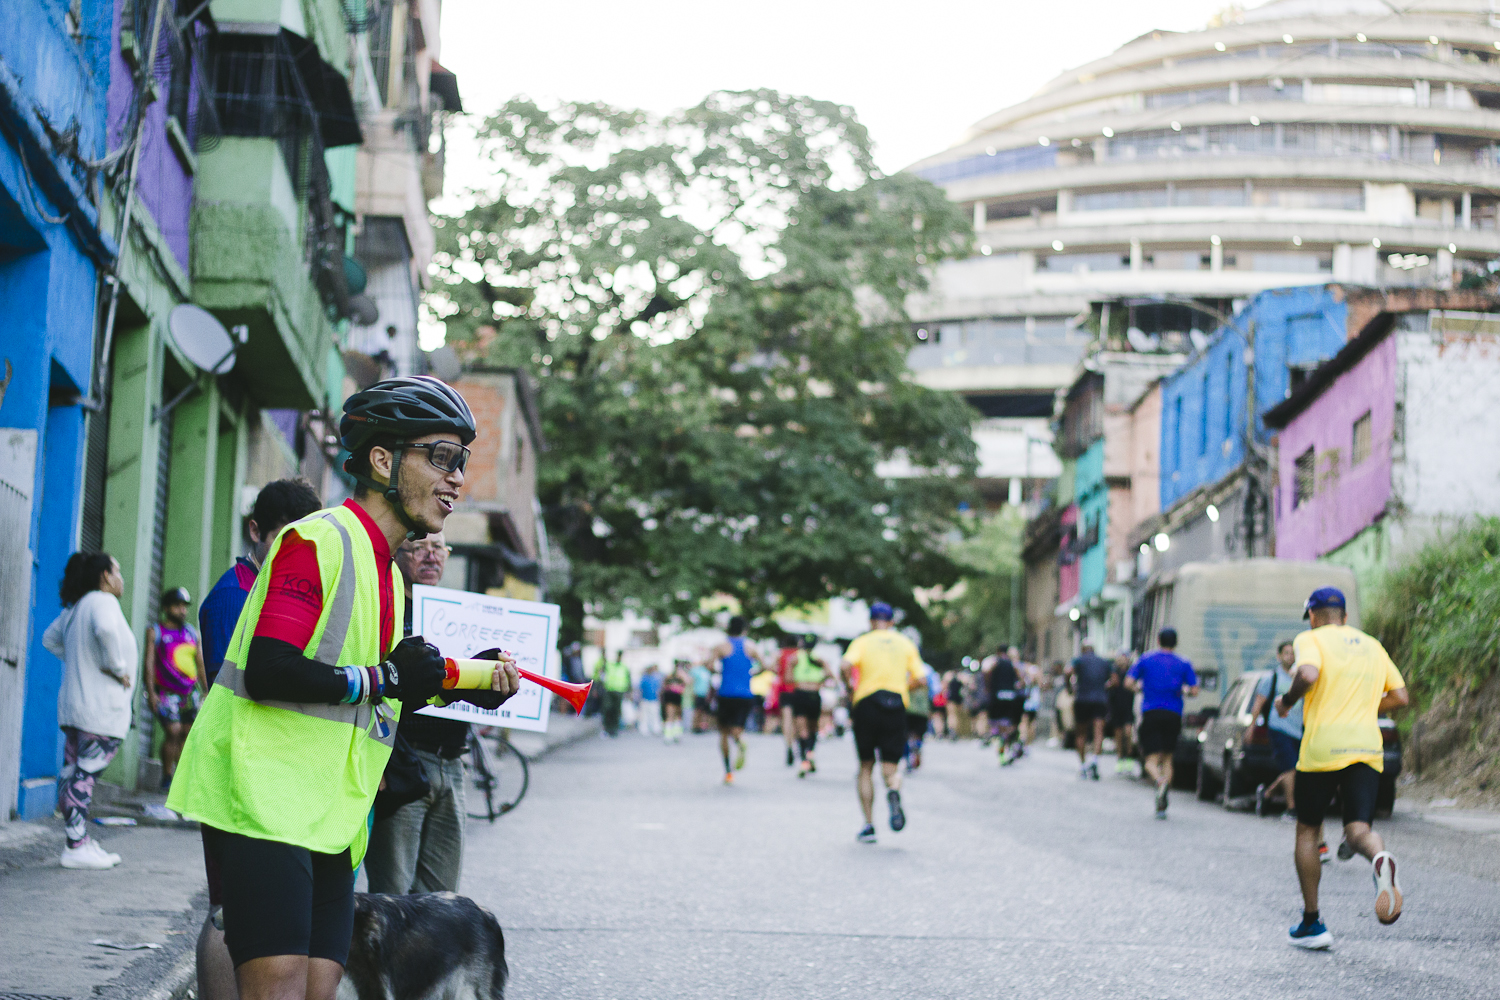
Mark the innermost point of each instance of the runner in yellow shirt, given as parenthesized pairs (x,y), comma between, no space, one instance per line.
(1349,680)
(880,667)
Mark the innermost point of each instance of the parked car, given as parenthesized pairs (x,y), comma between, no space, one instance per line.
(1235,750)
(1235,747)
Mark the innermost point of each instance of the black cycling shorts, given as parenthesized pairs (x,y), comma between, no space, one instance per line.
(804,704)
(734,711)
(282,900)
(1158,731)
(880,727)
(1357,785)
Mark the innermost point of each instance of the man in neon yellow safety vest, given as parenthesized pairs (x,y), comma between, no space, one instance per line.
(287,753)
(615,676)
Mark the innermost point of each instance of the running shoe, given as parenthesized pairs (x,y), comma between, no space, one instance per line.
(739,757)
(1161,801)
(1346,850)
(1310,935)
(1387,889)
(898,817)
(867,835)
(1323,856)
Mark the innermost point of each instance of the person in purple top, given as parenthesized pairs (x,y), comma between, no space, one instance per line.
(278,504)
(1162,677)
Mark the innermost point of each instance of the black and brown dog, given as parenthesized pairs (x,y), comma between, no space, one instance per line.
(425,946)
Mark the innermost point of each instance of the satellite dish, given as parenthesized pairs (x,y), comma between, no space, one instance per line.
(202,339)
(363,310)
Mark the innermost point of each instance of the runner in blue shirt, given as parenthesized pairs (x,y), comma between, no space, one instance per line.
(736,661)
(1162,677)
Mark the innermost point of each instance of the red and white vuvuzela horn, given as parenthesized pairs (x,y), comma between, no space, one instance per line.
(476,674)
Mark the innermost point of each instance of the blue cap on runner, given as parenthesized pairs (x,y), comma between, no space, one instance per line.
(1323,597)
(881,611)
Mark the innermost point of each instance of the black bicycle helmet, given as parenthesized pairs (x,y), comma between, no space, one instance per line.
(401,409)
(404,408)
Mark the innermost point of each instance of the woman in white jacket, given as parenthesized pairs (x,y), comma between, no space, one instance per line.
(98,651)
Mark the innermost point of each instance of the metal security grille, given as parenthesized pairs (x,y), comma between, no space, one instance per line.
(159,521)
(95,463)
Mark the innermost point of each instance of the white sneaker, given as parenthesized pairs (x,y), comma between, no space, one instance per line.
(90,856)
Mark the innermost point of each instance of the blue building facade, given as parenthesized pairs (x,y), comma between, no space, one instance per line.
(53,76)
(1204,406)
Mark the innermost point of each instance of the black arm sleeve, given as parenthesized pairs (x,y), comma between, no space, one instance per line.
(277,671)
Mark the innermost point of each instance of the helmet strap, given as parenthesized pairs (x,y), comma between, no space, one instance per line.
(392,493)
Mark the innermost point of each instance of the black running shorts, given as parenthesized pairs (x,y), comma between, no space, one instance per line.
(282,900)
(1085,712)
(1007,709)
(880,727)
(805,704)
(734,711)
(1158,731)
(1357,785)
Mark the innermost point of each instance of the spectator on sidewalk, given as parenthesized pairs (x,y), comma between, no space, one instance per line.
(99,656)
(278,504)
(649,720)
(175,677)
(420,846)
(614,677)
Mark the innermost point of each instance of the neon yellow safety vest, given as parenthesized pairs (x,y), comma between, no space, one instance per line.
(616,676)
(298,774)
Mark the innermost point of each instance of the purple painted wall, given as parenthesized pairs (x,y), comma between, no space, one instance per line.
(164,187)
(1347,500)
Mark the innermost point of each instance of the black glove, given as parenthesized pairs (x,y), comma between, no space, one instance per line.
(484,698)
(414,671)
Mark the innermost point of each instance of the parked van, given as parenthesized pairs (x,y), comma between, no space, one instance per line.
(1230,617)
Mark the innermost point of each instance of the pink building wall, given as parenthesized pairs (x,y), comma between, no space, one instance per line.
(1346,500)
(1067,573)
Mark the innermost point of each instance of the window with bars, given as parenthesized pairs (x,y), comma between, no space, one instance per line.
(1306,478)
(1359,449)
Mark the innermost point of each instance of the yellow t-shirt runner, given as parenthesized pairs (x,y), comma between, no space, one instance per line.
(883,660)
(1339,725)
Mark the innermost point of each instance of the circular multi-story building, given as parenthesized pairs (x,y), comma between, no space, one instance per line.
(1300,142)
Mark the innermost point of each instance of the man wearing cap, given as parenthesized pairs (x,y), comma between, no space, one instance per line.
(880,667)
(174,677)
(1348,680)
(1163,678)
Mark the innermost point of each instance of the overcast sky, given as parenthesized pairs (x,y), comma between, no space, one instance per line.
(917,73)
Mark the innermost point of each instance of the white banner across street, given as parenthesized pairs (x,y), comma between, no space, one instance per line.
(461,624)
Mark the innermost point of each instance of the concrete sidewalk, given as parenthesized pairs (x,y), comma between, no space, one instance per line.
(53,915)
(156,895)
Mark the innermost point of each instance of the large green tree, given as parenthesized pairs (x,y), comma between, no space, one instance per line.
(713,303)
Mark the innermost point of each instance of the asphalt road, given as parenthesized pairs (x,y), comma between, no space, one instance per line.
(630,872)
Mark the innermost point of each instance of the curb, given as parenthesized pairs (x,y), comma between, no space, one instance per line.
(178,980)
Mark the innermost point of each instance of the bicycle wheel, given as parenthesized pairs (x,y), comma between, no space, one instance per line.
(498,778)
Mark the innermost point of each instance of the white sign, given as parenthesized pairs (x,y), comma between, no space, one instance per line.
(461,624)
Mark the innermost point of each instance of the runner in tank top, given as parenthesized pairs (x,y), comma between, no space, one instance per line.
(736,662)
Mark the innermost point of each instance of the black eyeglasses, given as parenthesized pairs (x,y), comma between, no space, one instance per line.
(445,455)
